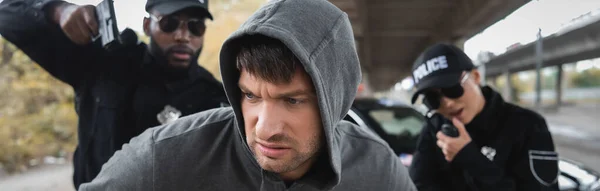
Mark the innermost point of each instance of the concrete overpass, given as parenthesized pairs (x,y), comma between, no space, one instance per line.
(390,34)
(580,41)
(571,45)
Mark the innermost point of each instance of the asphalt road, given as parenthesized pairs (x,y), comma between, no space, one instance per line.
(576,133)
(583,151)
(48,178)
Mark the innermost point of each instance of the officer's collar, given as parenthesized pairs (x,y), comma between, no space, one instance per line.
(488,119)
(193,75)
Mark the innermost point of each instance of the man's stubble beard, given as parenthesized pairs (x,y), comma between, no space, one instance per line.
(316,149)
(171,72)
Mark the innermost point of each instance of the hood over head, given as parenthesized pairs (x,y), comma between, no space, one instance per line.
(320,36)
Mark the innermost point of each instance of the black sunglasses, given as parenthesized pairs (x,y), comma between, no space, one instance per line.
(432,98)
(170,23)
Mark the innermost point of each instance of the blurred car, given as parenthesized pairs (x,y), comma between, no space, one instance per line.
(399,124)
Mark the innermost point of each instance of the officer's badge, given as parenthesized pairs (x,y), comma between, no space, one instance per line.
(168,115)
(543,166)
(489,152)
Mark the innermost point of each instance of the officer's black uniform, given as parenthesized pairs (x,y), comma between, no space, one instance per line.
(118,95)
(519,143)
(511,147)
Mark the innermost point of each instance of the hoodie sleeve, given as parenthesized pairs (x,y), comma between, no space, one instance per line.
(424,170)
(400,179)
(26,24)
(131,168)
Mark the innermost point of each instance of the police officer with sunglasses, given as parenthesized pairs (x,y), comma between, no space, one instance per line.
(118,94)
(496,146)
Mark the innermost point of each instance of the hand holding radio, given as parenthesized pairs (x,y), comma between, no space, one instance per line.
(452,138)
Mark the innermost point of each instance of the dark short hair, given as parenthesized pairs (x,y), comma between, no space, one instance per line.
(266,58)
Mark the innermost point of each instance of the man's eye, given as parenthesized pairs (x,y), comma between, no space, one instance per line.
(249,96)
(293,101)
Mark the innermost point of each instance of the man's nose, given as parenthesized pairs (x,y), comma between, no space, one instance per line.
(270,122)
(182,34)
(446,102)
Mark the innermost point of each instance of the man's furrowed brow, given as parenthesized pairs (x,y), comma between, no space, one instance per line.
(243,87)
(300,92)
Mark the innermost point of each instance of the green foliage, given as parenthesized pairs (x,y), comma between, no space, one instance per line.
(587,78)
(36,111)
(549,81)
(228,16)
(518,86)
(37,116)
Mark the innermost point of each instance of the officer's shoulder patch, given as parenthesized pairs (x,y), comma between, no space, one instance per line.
(540,164)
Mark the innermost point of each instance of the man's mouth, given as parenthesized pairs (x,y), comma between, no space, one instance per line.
(272,150)
(181,53)
(181,56)
(457,113)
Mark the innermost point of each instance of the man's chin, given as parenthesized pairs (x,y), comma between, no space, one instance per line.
(273,165)
(276,165)
(179,64)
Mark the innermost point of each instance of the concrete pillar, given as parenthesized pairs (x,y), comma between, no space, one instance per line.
(484,77)
(508,88)
(559,79)
(460,43)
(493,81)
(539,54)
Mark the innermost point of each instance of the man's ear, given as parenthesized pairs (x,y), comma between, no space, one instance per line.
(147,26)
(476,76)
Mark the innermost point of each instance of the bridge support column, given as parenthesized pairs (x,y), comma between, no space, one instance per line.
(484,77)
(508,88)
(492,81)
(539,54)
(460,43)
(559,79)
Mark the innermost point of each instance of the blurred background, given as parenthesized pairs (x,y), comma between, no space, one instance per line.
(543,55)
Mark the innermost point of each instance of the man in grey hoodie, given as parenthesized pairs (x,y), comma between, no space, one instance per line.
(290,73)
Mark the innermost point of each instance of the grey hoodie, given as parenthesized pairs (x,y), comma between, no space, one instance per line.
(208,151)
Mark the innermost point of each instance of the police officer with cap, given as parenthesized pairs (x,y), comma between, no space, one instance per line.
(119,93)
(473,139)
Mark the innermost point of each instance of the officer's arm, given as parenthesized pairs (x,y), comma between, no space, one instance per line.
(537,168)
(28,25)
(424,171)
(130,168)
